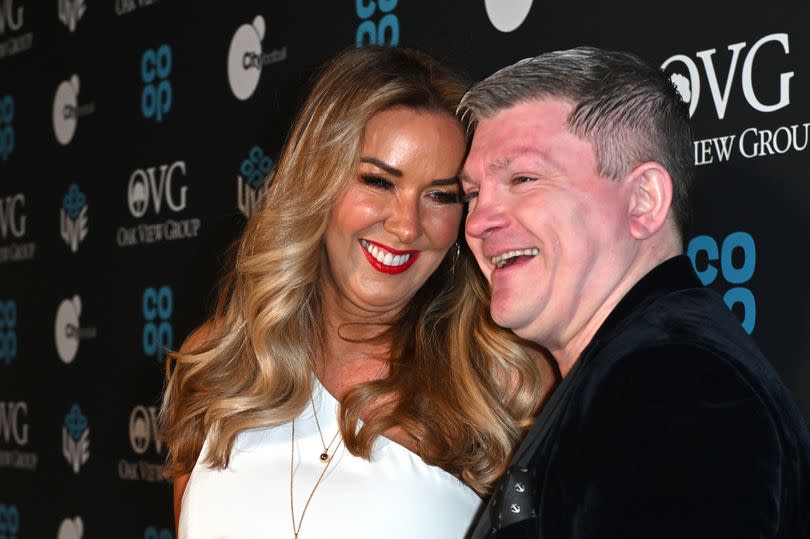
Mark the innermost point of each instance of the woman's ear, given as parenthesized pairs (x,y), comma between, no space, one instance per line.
(650,190)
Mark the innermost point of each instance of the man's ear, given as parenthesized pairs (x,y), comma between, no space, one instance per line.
(650,198)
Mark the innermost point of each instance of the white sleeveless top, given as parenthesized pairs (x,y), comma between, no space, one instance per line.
(395,495)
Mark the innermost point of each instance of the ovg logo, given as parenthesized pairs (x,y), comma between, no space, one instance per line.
(9,17)
(246,59)
(76,438)
(152,532)
(8,331)
(158,335)
(67,329)
(688,83)
(13,422)
(156,97)
(738,260)
(9,521)
(507,15)
(71,528)
(250,185)
(384,31)
(73,217)
(143,429)
(11,219)
(144,187)
(70,11)
(6,129)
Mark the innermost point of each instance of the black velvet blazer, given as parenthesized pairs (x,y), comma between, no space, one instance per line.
(670,424)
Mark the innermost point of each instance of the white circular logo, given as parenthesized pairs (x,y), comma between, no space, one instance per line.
(65,110)
(139,429)
(71,529)
(507,15)
(245,58)
(137,193)
(66,328)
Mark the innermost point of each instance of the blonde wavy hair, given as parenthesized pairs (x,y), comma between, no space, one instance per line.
(464,389)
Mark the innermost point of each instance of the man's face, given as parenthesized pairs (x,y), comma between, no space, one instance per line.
(550,235)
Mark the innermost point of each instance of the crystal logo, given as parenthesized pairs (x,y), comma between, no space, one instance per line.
(73,217)
(384,31)
(507,15)
(154,533)
(144,187)
(71,528)
(250,184)
(8,331)
(9,521)
(688,83)
(11,19)
(246,59)
(66,110)
(704,253)
(70,11)
(6,128)
(76,438)
(67,329)
(157,307)
(156,97)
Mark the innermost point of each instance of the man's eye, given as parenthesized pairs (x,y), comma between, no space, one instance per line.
(522,179)
(376,181)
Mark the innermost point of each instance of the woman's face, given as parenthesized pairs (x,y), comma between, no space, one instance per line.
(400,213)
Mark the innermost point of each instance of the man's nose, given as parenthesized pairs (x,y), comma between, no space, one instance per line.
(487,213)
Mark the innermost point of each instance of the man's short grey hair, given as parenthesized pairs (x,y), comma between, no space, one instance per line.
(630,111)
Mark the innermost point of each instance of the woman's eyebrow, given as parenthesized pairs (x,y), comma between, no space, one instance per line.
(385,166)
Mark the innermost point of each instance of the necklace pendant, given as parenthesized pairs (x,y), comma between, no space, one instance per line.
(324,457)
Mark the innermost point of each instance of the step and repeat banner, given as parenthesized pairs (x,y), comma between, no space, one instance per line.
(134,138)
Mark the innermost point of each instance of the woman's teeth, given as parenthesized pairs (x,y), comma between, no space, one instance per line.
(502,259)
(384,257)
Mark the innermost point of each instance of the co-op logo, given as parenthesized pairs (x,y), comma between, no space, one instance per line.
(73,217)
(66,110)
(156,185)
(76,438)
(689,83)
(9,521)
(8,331)
(373,31)
(157,307)
(151,532)
(507,15)
(156,96)
(737,255)
(246,59)
(143,429)
(68,330)
(6,127)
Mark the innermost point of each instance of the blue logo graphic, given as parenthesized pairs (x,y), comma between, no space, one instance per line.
(74,201)
(8,331)
(75,422)
(255,168)
(384,31)
(158,335)
(6,129)
(9,521)
(156,98)
(738,260)
(153,533)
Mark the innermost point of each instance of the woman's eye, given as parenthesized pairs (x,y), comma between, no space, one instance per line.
(376,181)
(446,197)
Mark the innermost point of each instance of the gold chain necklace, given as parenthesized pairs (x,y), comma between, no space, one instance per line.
(325,455)
(327,460)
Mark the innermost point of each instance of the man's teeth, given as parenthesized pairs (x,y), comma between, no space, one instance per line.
(501,260)
(385,257)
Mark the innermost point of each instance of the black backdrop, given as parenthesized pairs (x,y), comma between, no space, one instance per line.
(133,138)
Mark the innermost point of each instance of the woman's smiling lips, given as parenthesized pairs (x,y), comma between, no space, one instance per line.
(387,259)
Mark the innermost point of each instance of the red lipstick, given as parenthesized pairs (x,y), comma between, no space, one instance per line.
(384,268)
